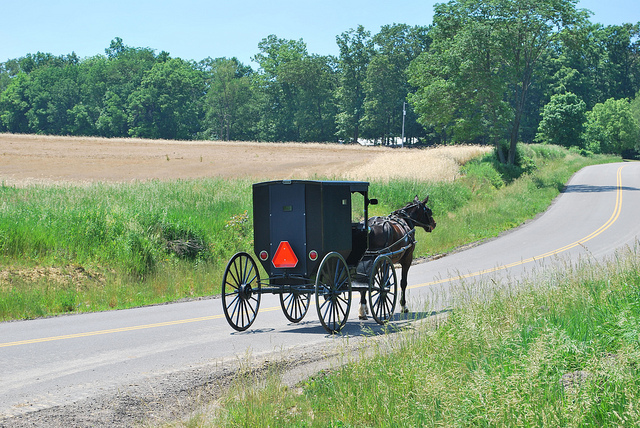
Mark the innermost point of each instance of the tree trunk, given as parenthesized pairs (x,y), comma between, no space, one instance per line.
(515,130)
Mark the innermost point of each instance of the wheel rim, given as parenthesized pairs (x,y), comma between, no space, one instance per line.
(241,291)
(382,290)
(294,305)
(333,292)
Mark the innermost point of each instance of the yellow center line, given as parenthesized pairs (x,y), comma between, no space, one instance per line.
(614,217)
(119,330)
(601,229)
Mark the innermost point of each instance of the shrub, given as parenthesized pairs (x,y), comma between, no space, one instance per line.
(562,121)
(612,128)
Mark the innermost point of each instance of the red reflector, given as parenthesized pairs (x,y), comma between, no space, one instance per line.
(264,255)
(284,256)
(313,255)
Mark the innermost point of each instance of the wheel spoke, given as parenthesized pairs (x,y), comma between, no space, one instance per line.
(241,291)
(333,292)
(382,289)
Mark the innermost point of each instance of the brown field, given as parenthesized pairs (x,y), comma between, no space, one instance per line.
(36,159)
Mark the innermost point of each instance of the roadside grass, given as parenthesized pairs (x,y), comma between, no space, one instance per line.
(103,246)
(561,348)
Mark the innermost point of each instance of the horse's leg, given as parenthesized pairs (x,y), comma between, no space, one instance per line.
(363,310)
(405,263)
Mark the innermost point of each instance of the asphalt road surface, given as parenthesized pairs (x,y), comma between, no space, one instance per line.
(46,363)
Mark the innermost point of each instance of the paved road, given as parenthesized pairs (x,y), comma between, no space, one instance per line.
(51,362)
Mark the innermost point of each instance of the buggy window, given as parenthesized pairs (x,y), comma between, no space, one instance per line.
(357,208)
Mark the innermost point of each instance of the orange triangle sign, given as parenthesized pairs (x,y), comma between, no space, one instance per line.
(284,256)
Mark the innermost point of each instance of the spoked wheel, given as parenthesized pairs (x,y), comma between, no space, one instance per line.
(241,291)
(294,305)
(333,292)
(383,289)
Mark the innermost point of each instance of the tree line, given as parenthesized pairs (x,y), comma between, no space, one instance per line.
(494,72)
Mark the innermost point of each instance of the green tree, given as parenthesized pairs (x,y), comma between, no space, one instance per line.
(166,105)
(612,128)
(356,50)
(279,59)
(316,109)
(386,85)
(227,103)
(295,91)
(490,52)
(597,63)
(119,75)
(113,119)
(563,121)
(461,83)
(635,107)
(14,105)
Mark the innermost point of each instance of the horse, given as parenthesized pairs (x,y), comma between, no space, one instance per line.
(392,233)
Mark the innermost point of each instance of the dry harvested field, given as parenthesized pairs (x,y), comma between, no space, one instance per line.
(36,159)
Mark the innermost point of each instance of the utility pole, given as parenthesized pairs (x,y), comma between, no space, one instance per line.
(404,113)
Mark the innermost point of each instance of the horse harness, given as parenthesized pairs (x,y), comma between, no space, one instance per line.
(386,224)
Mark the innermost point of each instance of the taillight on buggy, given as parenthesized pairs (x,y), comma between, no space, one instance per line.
(313,255)
(284,256)
(263,255)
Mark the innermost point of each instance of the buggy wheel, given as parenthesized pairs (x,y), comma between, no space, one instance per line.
(294,305)
(241,291)
(333,292)
(383,289)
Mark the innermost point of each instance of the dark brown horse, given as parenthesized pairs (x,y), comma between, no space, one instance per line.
(390,234)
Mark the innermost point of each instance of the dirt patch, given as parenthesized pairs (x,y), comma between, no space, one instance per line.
(69,275)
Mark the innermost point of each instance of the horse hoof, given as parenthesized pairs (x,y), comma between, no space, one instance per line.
(363,317)
(405,310)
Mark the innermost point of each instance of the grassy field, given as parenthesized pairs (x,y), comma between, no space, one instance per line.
(74,248)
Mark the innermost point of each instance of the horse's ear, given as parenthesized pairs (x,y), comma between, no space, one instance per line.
(426,200)
(416,199)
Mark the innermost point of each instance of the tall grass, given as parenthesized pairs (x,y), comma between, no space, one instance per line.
(121,245)
(139,243)
(559,349)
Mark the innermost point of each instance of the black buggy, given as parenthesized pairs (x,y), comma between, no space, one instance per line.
(311,238)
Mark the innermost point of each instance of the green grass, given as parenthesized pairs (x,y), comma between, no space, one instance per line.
(102,246)
(561,349)
(138,243)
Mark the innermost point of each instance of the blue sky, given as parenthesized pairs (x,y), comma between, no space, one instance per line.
(196,29)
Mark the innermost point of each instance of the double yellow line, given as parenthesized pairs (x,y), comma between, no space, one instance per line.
(616,213)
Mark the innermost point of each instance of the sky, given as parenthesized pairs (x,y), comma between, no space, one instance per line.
(197,29)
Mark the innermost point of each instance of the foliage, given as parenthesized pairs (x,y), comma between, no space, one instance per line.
(612,128)
(562,121)
(482,61)
(165,104)
(482,72)
(386,86)
(296,90)
(356,49)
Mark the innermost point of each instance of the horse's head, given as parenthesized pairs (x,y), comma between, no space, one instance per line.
(421,214)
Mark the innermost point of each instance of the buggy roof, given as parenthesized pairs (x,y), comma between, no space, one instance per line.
(354,186)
